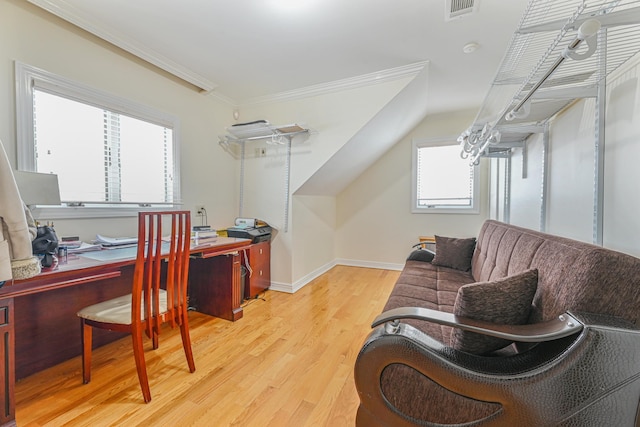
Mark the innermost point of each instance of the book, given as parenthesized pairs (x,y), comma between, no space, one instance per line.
(83,247)
(115,241)
(205,234)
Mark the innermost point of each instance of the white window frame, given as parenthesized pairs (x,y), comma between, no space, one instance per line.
(29,77)
(475,198)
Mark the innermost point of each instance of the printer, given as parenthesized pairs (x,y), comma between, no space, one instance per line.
(250,228)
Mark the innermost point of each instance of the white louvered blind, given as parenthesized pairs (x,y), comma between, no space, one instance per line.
(443,179)
(102,156)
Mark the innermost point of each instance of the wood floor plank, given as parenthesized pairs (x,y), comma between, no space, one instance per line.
(288,362)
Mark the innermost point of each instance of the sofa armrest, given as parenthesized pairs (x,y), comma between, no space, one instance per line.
(561,327)
(591,378)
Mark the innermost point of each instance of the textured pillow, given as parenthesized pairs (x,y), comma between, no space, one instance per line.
(420,255)
(505,301)
(454,253)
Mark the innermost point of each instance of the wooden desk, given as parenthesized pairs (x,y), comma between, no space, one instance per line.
(38,323)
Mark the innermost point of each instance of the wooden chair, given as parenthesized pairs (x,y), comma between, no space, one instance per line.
(159,292)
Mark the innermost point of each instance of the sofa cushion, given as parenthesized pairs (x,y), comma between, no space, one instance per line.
(422,284)
(505,301)
(454,253)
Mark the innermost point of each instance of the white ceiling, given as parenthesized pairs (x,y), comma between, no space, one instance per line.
(249,50)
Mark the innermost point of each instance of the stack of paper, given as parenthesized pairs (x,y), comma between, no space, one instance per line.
(83,247)
(115,242)
(203,234)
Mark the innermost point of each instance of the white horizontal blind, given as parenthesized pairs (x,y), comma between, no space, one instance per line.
(112,155)
(100,155)
(444,180)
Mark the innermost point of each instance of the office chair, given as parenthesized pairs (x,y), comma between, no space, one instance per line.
(159,293)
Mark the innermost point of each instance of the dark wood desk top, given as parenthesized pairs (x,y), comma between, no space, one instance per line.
(80,269)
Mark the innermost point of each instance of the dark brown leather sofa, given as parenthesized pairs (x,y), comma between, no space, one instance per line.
(575,361)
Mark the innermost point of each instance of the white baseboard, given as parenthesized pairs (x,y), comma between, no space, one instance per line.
(281,287)
(302,282)
(369,264)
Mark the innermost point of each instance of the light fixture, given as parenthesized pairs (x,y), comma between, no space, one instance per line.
(470,47)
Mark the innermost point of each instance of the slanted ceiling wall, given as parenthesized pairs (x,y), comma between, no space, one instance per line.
(307,247)
(375,225)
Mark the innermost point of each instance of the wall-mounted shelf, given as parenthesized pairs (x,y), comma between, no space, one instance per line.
(552,60)
(261,130)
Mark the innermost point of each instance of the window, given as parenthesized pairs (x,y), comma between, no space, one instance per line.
(442,181)
(112,156)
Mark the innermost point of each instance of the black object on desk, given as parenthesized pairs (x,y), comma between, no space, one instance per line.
(250,228)
(256,234)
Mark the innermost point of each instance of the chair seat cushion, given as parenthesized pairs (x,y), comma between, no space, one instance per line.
(117,310)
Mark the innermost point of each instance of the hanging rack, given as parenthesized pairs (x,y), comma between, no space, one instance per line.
(536,79)
(262,130)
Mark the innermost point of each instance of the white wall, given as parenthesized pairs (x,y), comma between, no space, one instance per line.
(526,184)
(498,203)
(621,230)
(313,230)
(334,118)
(375,226)
(571,172)
(33,36)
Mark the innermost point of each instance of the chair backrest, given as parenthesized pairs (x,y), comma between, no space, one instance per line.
(162,262)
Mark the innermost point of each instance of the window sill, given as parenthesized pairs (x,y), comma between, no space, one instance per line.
(68,212)
(448,211)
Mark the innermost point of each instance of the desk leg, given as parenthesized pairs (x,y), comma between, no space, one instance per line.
(214,286)
(7,366)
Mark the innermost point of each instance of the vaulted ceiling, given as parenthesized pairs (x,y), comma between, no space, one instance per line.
(248,52)
(245,50)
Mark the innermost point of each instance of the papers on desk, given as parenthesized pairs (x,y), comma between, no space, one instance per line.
(83,247)
(203,234)
(74,245)
(101,242)
(115,242)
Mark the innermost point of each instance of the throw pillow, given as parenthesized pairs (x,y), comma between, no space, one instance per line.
(454,253)
(420,255)
(505,301)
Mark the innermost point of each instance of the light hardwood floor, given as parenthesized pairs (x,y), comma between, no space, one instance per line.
(288,362)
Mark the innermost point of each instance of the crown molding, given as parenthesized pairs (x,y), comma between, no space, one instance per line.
(69,13)
(377,77)
(222,97)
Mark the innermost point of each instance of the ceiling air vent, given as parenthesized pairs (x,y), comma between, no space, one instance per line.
(457,8)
